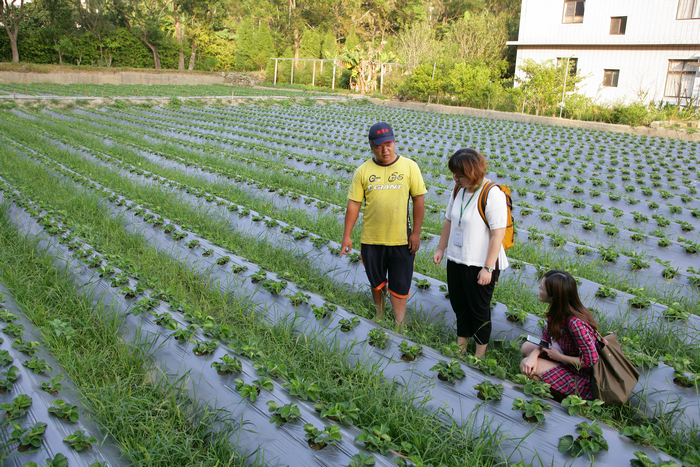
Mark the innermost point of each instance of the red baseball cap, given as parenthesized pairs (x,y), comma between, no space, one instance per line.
(380,133)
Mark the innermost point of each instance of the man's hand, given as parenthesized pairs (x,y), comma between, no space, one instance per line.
(414,242)
(346,246)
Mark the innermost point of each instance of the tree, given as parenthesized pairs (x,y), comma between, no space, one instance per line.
(364,64)
(543,84)
(58,23)
(416,45)
(94,16)
(11,17)
(143,19)
(479,37)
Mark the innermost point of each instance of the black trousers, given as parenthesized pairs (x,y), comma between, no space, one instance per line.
(470,301)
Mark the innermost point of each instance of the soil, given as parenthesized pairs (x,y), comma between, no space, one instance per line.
(682,383)
(24,447)
(406,358)
(529,419)
(316,446)
(481,396)
(512,319)
(442,377)
(222,373)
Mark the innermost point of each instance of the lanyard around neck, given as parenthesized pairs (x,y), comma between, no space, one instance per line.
(464,206)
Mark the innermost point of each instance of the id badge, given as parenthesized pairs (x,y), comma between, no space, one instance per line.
(458,238)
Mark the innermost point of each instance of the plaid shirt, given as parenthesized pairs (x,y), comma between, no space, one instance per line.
(577,339)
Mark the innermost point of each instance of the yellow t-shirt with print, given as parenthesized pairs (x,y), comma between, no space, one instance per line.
(386,190)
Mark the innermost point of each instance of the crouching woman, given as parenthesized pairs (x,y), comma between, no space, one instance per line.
(571,332)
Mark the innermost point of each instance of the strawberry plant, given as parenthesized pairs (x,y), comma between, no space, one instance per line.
(65,410)
(205,348)
(184,335)
(38,365)
(643,434)
(347,325)
(669,273)
(167,321)
(258,276)
(577,405)
(319,439)
(13,329)
(27,438)
(589,441)
(533,410)
(298,298)
(320,312)
(223,260)
(663,242)
(516,315)
(488,390)
(270,368)
(29,348)
(354,257)
(300,235)
(491,367)
(376,439)
(341,412)
(377,337)
(177,236)
(675,312)
(303,389)
(532,387)
(192,244)
(283,413)
(79,441)
(207,253)
(422,284)
(53,386)
(6,316)
(227,365)
(410,352)
(449,371)
(637,263)
(8,382)
(643,460)
(361,460)
(274,287)
(249,391)
(605,292)
(17,407)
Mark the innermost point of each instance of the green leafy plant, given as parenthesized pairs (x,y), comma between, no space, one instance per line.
(376,439)
(274,287)
(11,375)
(410,352)
(319,439)
(38,365)
(53,386)
(205,348)
(589,441)
(516,315)
(422,284)
(640,301)
(222,261)
(303,389)
(605,292)
(65,410)
(298,298)
(249,391)
(283,413)
(347,325)
(643,460)
(237,269)
(675,312)
(228,364)
(13,329)
(488,391)
(17,407)
(270,368)
(184,335)
(320,312)
(532,387)
(361,460)
(59,460)
(533,410)
(377,337)
(79,441)
(258,276)
(577,405)
(643,434)
(449,371)
(341,412)
(27,438)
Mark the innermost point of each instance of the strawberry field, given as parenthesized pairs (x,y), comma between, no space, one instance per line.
(176,270)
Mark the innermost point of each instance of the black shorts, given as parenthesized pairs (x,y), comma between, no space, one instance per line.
(396,261)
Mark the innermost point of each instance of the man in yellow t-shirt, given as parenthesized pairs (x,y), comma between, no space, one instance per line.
(388,244)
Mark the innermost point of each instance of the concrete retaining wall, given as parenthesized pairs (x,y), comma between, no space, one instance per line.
(525,118)
(104,77)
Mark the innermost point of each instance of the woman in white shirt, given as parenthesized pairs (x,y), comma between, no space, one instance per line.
(473,248)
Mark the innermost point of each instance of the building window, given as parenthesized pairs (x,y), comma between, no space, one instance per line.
(573,64)
(618,25)
(610,78)
(688,9)
(679,81)
(573,11)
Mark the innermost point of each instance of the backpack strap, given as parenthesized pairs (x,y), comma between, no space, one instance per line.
(483,196)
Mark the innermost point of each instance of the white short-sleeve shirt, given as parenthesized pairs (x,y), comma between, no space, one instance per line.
(475,233)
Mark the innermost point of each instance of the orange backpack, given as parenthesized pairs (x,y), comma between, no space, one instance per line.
(509,239)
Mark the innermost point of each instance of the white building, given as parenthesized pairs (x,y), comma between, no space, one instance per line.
(630,50)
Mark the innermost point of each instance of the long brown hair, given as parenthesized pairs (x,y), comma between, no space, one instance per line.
(561,286)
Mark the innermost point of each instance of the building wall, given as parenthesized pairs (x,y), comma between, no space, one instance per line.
(643,69)
(653,36)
